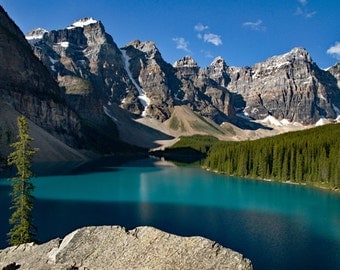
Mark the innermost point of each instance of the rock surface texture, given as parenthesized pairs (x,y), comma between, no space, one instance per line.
(86,61)
(112,247)
(288,86)
(70,112)
(26,84)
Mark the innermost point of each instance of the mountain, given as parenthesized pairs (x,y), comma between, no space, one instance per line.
(335,71)
(103,92)
(85,60)
(289,86)
(27,87)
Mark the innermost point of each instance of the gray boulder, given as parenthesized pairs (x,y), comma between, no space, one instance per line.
(113,247)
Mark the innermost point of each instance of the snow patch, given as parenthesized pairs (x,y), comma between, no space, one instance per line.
(285,122)
(142,97)
(36,34)
(321,122)
(64,44)
(271,120)
(82,22)
(244,115)
(53,68)
(281,64)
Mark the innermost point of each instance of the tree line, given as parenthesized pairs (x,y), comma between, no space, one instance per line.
(311,156)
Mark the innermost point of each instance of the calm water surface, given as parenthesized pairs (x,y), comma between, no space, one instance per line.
(277,226)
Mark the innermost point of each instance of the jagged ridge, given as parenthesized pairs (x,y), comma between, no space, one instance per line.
(288,86)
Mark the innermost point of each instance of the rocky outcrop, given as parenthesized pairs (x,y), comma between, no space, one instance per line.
(75,118)
(201,93)
(335,71)
(289,86)
(154,78)
(27,86)
(86,61)
(112,247)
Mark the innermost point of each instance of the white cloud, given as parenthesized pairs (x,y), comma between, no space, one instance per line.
(335,50)
(200,27)
(212,38)
(303,11)
(208,37)
(181,44)
(207,54)
(256,26)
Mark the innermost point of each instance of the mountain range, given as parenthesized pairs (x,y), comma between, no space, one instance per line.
(84,93)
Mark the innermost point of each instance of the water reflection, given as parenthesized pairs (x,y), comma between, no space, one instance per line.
(277,226)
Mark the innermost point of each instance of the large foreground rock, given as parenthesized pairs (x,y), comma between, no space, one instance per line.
(112,247)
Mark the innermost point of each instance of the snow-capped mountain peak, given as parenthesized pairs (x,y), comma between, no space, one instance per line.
(278,61)
(82,22)
(35,35)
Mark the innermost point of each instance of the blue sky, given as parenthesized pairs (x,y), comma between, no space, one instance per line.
(242,32)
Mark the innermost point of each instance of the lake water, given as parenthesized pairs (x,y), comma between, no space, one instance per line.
(277,226)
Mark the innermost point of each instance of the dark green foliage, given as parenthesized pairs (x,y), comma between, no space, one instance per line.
(180,155)
(201,143)
(188,149)
(8,136)
(22,200)
(311,156)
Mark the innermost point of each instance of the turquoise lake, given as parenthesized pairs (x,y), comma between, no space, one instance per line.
(277,226)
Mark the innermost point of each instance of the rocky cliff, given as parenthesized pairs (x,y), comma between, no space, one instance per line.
(203,94)
(112,247)
(153,77)
(73,116)
(26,86)
(288,86)
(335,71)
(85,60)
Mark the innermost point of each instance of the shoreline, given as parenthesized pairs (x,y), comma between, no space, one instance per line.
(335,190)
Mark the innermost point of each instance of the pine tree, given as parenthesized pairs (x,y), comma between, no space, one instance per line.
(23,230)
(311,156)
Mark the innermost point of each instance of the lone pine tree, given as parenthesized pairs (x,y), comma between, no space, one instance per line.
(23,230)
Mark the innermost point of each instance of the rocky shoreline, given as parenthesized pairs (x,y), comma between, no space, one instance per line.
(114,247)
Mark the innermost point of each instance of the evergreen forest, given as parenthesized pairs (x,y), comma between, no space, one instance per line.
(311,156)
(306,157)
